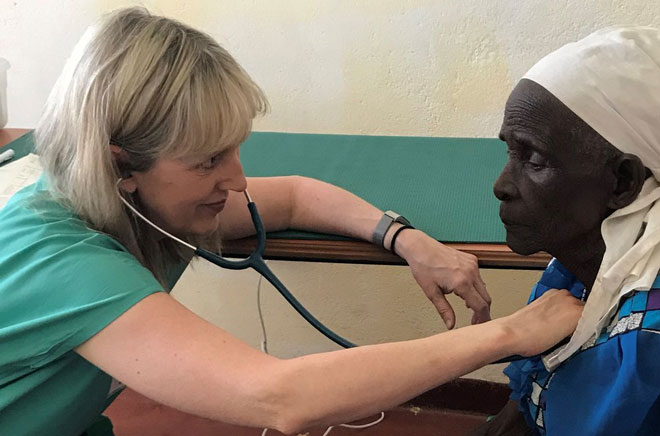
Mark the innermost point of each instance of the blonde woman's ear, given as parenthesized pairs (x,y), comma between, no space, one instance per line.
(127,183)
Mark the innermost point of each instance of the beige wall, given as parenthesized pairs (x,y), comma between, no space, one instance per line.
(416,67)
(419,67)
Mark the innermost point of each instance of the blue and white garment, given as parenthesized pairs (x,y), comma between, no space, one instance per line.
(611,387)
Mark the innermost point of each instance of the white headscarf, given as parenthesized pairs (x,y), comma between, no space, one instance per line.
(611,80)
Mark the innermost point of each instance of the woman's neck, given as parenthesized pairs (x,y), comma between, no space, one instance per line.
(584,260)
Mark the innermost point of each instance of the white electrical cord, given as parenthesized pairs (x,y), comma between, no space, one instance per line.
(264,348)
(356,426)
(264,342)
(369,424)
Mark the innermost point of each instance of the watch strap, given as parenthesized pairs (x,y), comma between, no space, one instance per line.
(390,217)
(396,235)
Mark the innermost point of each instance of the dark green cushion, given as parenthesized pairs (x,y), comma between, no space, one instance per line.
(442,185)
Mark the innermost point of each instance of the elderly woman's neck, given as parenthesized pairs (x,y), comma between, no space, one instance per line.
(583,260)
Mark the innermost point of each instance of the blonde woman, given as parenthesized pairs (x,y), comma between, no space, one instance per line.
(154,111)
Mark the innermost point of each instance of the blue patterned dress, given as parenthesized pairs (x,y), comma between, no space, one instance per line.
(611,387)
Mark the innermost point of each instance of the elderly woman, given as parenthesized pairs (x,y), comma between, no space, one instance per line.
(153,112)
(581,183)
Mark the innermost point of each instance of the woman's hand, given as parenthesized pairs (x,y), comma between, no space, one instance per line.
(543,323)
(441,270)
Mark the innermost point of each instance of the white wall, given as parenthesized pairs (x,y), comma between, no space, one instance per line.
(416,67)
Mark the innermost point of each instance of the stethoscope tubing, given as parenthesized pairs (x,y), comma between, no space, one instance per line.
(256,261)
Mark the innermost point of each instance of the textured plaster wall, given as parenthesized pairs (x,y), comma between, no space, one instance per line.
(393,67)
(432,68)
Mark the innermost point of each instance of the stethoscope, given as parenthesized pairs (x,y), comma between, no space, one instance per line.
(254,261)
(257,263)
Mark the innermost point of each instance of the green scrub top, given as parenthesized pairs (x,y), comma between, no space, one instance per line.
(60,283)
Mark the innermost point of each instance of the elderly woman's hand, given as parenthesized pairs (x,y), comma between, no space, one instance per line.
(441,270)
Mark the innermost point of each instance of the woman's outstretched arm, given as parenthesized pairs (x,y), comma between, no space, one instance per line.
(162,350)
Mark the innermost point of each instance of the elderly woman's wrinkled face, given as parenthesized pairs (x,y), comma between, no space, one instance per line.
(554,188)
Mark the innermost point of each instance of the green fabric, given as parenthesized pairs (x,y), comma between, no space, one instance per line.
(61,284)
(444,186)
(21,146)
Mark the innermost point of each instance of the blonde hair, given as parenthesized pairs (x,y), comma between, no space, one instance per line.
(155,87)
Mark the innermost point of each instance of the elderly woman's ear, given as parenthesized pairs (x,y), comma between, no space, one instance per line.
(630,175)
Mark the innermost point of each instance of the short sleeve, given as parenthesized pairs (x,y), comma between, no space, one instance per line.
(61,282)
(59,301)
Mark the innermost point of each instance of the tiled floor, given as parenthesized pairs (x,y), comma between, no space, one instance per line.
(133,415)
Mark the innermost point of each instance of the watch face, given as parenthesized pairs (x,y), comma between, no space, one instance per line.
(384,225)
